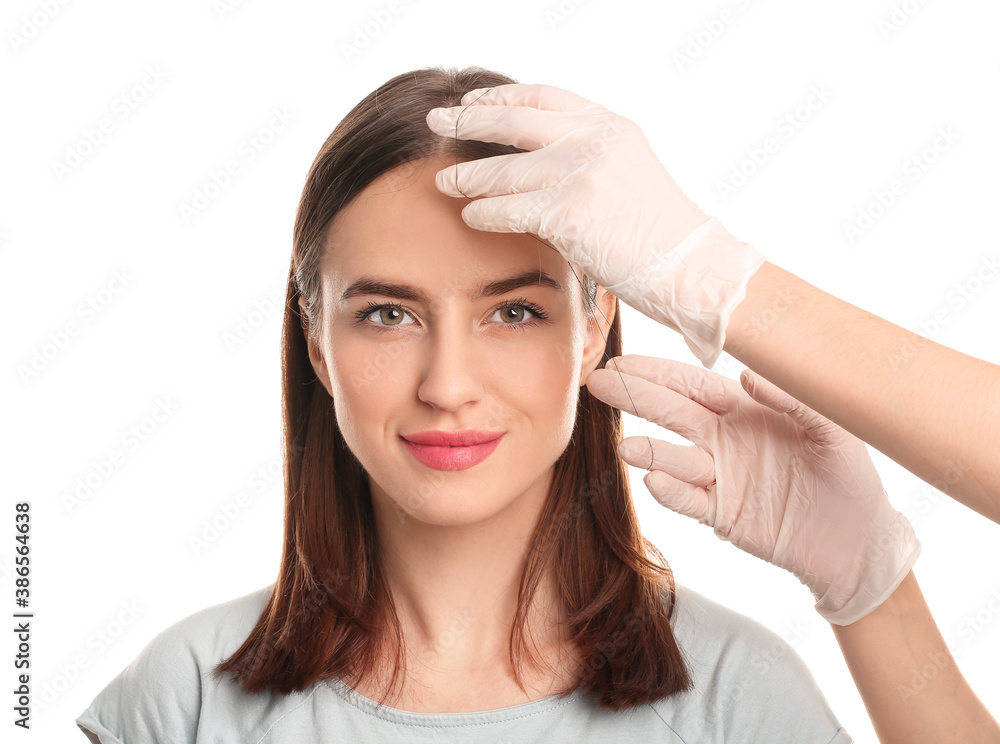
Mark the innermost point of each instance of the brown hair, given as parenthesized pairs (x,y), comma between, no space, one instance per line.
(330,613)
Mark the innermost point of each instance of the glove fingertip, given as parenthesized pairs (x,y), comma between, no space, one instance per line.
(767,393)
(475,216)
(444,180)
(676,495)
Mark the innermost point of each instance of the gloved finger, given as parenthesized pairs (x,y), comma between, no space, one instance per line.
(516,173)
(676,495)
(765,392)
(547,97)
(690,464)
(654,403)
(700,385)
(521,213)
(520,126)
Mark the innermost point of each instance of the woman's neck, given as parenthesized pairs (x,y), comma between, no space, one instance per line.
(455,589)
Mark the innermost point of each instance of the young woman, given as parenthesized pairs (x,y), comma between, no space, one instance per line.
(461,560)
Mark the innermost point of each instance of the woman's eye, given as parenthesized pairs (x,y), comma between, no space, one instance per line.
(388,315)
(513,313)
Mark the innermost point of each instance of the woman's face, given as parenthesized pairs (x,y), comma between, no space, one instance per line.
(442,358)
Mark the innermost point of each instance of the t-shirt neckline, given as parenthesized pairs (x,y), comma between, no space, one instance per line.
(448,720)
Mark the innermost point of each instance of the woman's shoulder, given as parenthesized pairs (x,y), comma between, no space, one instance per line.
(748,682)
(214,632)
(201,640)
(714,627)
(158,696)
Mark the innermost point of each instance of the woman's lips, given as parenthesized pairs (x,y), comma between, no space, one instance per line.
(452,458)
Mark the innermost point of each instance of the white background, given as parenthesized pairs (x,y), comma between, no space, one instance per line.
(191,282)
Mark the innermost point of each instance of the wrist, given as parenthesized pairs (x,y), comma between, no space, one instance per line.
(882,564)
(695,286)
(768,294)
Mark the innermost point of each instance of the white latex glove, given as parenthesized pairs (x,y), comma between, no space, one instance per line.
(593,188)
(769,475)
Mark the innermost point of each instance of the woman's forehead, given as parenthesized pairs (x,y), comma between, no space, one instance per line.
(404,227)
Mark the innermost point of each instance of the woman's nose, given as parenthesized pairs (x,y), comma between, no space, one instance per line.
(452,369)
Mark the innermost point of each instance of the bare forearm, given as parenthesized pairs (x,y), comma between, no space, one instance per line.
(912,688)
(932,409)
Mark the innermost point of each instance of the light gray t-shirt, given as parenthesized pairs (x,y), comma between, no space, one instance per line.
(749,686)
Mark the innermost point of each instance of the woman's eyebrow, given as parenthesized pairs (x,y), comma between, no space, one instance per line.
(366,285)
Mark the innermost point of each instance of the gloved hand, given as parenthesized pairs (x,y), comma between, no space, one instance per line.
(594,189)
(769,475)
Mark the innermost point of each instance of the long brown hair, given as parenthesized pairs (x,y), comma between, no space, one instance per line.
(330,613)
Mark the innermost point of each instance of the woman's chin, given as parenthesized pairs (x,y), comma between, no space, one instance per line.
(441,511)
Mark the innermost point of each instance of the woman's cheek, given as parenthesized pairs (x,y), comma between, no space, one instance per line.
(553,391)
(365,380)
(364,369)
